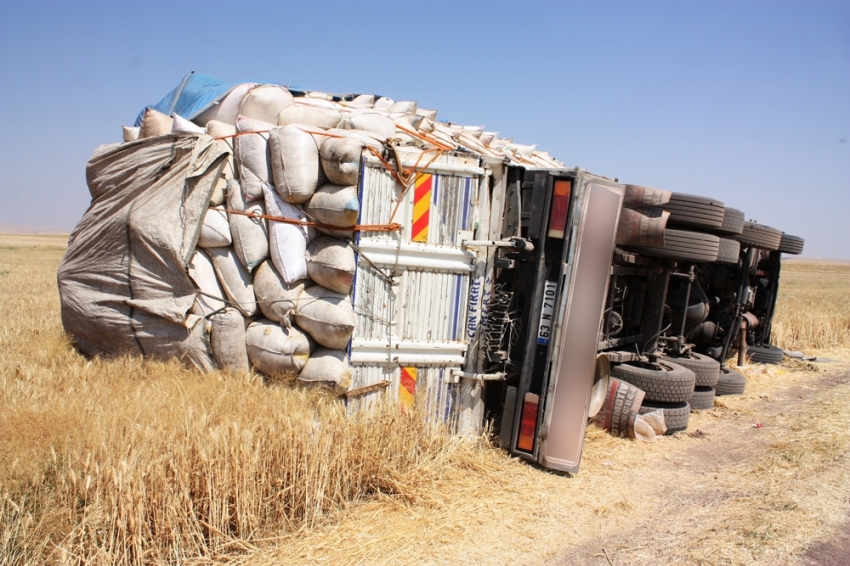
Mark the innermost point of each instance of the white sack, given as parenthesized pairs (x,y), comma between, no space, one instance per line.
(340,159)
(362,101)
(327,316)
(202,273)
(250,235)
(130,133)
(227,340)
(368,138)
(326,367)
(429,114)
(181,124)
(315,102)
(381,125)
(265,103)
(215,231)
(404,106)
(275,296)
(317,117)
(295,163)
(154,124)
(224,132)
(287,242)
(252,157)
(317,94)
(224,180)
(274,349)
(384,103)
(334,205)
(235,279)
(331,264)
(227,110)
(218,129)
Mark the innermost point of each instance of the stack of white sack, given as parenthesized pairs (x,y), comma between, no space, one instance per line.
(275,295)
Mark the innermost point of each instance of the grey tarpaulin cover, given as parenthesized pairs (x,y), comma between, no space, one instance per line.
(123,282)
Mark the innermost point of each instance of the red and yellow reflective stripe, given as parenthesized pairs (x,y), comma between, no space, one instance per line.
(407,389)
(421,207)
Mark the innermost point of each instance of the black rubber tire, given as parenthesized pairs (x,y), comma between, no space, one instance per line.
(759,236)
(728,252)
(733,222)
(789,244)
(685,246)
(765,354)
(676,415)
(694,211)
(706,370)
(730,383)
(703,398)
(670,384)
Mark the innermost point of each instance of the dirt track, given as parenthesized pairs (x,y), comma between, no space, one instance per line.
(701,480)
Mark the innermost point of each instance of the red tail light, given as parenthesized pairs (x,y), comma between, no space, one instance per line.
(560,208)
(528,422)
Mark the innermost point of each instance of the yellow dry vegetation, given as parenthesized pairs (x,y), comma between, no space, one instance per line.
(813,310)
(129,461)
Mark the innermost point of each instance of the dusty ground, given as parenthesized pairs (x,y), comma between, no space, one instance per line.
(723,492)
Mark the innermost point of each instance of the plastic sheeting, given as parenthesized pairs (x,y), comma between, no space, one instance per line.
(195,93)
(123,282)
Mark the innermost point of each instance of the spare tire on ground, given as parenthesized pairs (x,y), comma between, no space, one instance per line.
(676,415)
(765,354)
(694,211)
(703,398)
(664,381)
(730,382)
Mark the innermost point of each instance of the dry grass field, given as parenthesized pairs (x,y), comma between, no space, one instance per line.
(142,462)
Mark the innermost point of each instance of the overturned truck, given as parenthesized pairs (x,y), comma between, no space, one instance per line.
(360,243)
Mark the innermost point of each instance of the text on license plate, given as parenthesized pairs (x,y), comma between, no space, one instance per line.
(547,323)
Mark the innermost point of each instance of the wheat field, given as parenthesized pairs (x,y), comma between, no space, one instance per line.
(130,461)
(813,308)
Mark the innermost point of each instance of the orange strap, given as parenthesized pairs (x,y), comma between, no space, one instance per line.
(392,227)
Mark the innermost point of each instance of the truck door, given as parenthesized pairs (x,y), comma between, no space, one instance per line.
(560,291)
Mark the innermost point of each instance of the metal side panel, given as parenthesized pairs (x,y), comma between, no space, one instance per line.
(562,434)
(411,289)
(432,386)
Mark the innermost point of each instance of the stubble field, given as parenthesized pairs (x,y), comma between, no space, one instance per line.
(134,461)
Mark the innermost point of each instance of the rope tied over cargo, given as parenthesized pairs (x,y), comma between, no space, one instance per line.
(391,227)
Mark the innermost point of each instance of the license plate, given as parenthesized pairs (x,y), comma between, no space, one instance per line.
(547,323)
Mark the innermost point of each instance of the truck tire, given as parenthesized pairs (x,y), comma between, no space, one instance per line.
(676,415)
(694,211)
(789,244)
(728,252)
(703,398)
(706,370)
(765,354)
(730,383)
(685,246)
(667,382)
(733,222)
(759,236)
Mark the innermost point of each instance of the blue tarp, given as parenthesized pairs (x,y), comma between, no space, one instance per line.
(194,94)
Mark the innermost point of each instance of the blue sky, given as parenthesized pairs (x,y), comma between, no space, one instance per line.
(747,102)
